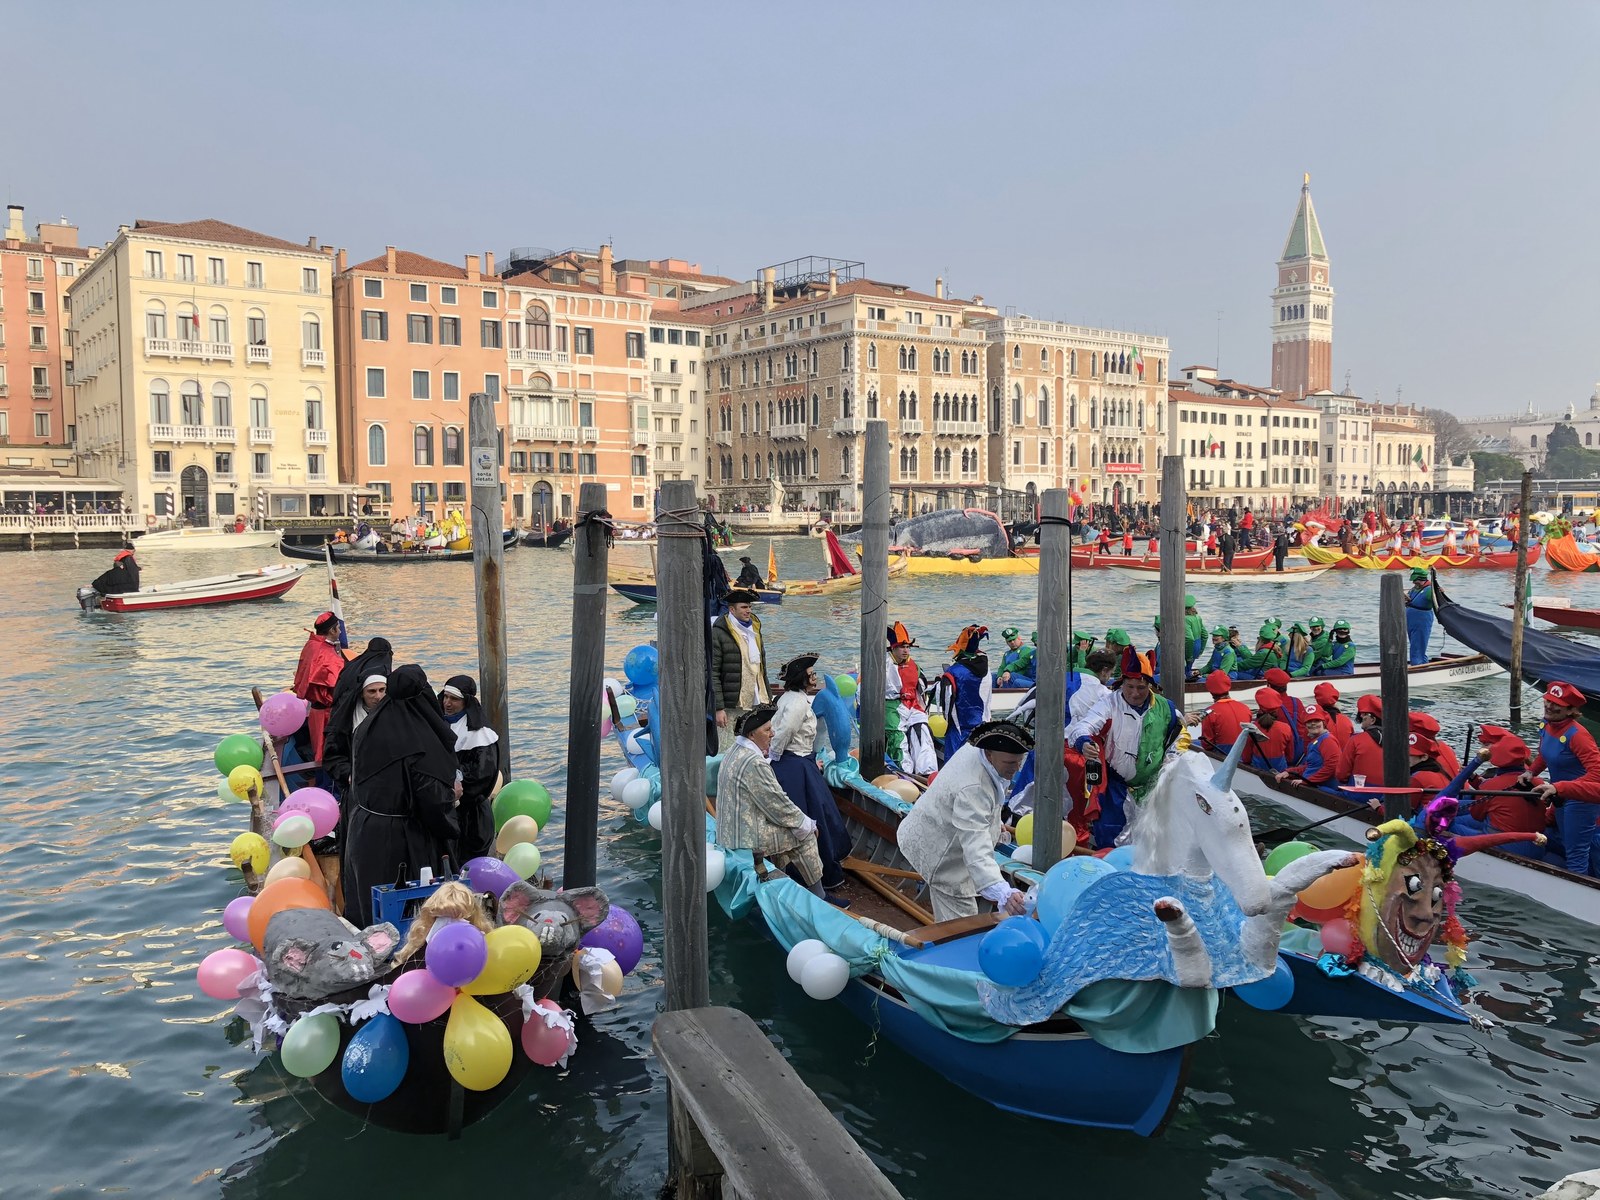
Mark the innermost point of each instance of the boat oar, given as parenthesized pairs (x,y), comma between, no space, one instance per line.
(1281,834)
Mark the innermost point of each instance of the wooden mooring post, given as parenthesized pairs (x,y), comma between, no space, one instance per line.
(585,704)
(488,568)
(1050,802)
(1519,597)
(1174,579)
(1395,689)
(874,595)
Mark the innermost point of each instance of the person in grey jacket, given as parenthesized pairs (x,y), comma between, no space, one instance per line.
(738,664)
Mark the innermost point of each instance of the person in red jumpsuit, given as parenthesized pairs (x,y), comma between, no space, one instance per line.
(1293,709)
(1524,812)
(1363,751)
(1223,721)
(1567,751)
(314,678)
(1338,723)
(1319,765)
(1428,725)
(1273,747)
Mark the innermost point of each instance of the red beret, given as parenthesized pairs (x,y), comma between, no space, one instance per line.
(1509,752)
(1218,683)
(1277,677)
(1326,694)
(1268,700)
(1421,722)
(1370,704)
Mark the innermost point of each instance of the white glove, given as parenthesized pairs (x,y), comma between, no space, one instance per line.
(809,827)
(997,893)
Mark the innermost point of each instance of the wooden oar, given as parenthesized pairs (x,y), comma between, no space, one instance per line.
(1277,836)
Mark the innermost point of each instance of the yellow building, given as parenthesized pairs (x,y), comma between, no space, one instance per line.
(205,381)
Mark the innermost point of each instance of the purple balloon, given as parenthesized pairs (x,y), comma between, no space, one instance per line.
(620,934)
(282,714)
(235,918)
(317,804)
(489,875)
(456,955)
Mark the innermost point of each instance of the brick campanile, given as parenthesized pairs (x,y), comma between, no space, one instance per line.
(1302,308)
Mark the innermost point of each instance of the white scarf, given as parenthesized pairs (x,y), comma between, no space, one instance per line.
(471,739)
(747,634)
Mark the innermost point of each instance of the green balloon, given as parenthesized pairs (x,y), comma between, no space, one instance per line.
(238,750)
(525,798)
(225,793)
(311,1045)
(1285,854)
(847,685)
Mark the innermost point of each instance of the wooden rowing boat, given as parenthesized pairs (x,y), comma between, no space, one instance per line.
(1497,561)
(1086,559)
(1151,573)
(1558,610)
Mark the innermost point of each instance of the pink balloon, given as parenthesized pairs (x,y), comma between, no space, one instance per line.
(605,725)
(222,971)
(236,916)
(317,804)
(417,997)
(1338,936)
(544,1044)
(282,714)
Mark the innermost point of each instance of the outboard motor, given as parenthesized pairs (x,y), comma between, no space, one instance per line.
(88,599)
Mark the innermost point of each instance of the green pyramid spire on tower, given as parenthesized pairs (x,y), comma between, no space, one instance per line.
(1305,235)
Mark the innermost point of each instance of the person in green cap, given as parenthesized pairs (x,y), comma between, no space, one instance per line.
(1319,638)
(1194,630)
(1419,615)
(1222,656)
(1117,640)
(1016,665)
(1265,656)
(1302,659)
(1340,657)
(1082,647)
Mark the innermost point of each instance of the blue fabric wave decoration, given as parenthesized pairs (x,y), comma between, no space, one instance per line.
(834,713)
(845,772)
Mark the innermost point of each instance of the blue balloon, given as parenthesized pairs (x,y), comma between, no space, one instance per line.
(640,665)
(1121,857)
(1269,994)
(1064,883)
(376,1059)
(1012,953)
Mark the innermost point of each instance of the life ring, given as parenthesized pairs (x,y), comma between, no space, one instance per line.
(149,521)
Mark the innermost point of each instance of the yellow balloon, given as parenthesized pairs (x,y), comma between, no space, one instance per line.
(477,1047)
(520,828)
(610,975)
(514,954)
(289,868)
(250,849)
(937,725)
(245,781)
(1025,830)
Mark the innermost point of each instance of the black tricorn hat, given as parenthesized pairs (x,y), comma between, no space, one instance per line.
(793,673)
(758,716)
(1003,736)
(740,596)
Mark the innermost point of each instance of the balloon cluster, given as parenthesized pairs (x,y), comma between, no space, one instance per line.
(1324,903)
(641,669)
(636,791)
(1012,953)
(817,969)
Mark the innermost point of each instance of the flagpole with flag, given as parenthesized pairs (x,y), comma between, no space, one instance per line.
(334,606)
(772,561)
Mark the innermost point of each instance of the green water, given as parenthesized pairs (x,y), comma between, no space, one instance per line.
(118,1077)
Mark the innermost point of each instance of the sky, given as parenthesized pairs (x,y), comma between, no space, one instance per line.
(1125,165)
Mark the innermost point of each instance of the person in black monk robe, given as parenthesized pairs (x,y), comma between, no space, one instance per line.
(478,759)
(376,659)
(403,793)
(122,578)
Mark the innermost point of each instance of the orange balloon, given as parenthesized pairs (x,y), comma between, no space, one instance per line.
(1331,891)
(279,897)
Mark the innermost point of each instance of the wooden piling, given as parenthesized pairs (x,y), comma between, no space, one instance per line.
(874,595)
(681,640)
(1050,802)
(1519,597)
(1174,579)
(1396,692)
(590,561)
(488,568)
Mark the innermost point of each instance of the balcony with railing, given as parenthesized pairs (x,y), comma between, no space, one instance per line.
(313,358)
(522,433)
(317,476)
(262,437)
(554,358)
(545,433)
(849,426)
(911,426)
(958,428)
(790,432)
(260,476)
(725,437)
(258,354)
(163,433)
(670,436)
(162,476)
(41,391)
(666,378)
(588,433)
(186,348)
(316,437)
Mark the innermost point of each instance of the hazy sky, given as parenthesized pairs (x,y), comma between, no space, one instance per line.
(1125,164)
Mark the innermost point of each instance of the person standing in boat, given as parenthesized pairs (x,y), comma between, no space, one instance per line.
(317,674)
(403,793)
(951,832)
(1568,752)
(350,707)
(739,679)
(908,739)
(749,575)
(122,578)
(478,759)
(965,688)
(1419,615)
(753,811)
(794,763)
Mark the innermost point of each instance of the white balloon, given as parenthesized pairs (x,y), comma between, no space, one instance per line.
(621,780)
(609,684)
(654,816)
(630,744)
(716,868)
(1023,855)
(824,976)
(803,953)
(636,794)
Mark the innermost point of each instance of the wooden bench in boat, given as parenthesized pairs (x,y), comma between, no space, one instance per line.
(743,1124)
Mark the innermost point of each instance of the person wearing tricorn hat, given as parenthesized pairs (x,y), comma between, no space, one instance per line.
(754,813)
(739,679)
(951,832)
(317,674)
(1568,752)
(749,575)
(792,753)
(908,738)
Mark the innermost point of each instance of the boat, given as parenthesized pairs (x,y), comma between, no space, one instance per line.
(546,539)
(1365,680)
(1492,561)
(263,584)
(1559,610)
(1086,557)
(970,564)
(1566,553)
(1151,573)
(347,552)
(640,587)
(206,538)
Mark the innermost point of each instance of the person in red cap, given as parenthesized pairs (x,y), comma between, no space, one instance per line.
(316,675)
(1319,765)
(1338,724)
(1526,812)
(1222,722)
(1270,750)
(1567,751)
(1426,773)
(1361,761)
(1293,709)
(1428,725)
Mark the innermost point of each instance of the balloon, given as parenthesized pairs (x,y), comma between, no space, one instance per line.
(636,794)
(238,749)
(640,666)
(627,706)
(224,791)
(611,685)
(456,954)
(222,971)
(1271,993)
(605,724)
(282,714)
(518,829)
(1023,855)
(489,875)
(1339,937)
(250,849)
(1025,830)
(1012,953)
(630,745)
(1121,857)
(938,725)
(244,780)
(621,780)
(1064,883)
(846,685)
(236,916)
(289,868)
(610,974)
(654,816)
(417,997)
(1317,916)
(523,860)
(293,830)
(525,798)
(824,976)
(311,1045)
(620,934)
(319,805)
(1285,854)
(1333,889)
(547,1044)
(716,868)
(376,1059)
(281,897)
(803,953)
(513,956)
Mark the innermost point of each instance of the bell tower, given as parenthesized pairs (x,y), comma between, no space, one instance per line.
(1302,307)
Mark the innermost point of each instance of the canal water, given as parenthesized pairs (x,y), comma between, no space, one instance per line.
(118,1077)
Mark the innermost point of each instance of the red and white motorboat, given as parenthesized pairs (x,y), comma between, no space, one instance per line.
(263,584)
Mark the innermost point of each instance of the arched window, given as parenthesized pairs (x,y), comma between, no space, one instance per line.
(904,460)
(1016,404)
(744,418)
(188,323)
(377,446)
(1044,404)
(844,403)
(872,356)
(913,404)
(872,403)
(536,328)
(769,464)
(816,462)
(422,446)
(846,462)
(816,411)
(192,404)
(769,414)
(1094,456)
(221,406)
(160,402)
(155,319)
(902,404)
(911,357)
(744,466)
(452,446)
(913,460)
(1092,404)
(1072,413)
(1044,358)
(260,412)
(1072,454)
(217,324)
(1016,355)
(313,408)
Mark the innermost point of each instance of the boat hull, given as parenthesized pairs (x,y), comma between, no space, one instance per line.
(1498,561)
(207,539)
(1152,574)
(346,553)
(265,584)
(548,540)
(645,593)
(1317,994)
(1561,613)
(1082,560)
(975,565)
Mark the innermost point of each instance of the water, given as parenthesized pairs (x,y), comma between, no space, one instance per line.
(118,1076)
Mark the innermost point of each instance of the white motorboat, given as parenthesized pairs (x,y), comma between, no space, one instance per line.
(205,538)
(263,584)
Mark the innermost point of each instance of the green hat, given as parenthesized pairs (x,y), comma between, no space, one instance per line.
(1156,621)
(1118,637)
(1188,600)
(1269,632)
(1083,637)
(1009,632)
(1220,631)
(1315,621)
(1419,572)
(1341,626)
(1275,622)
(1034,637)
(1297,627)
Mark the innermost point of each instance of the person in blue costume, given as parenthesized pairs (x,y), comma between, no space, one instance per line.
(1567,752)
(1017,664)
(965,688)
(1419,615)
(1340,655)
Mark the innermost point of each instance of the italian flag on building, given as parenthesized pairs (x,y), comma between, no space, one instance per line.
(1417,458)
(1216,447)
(1136,360)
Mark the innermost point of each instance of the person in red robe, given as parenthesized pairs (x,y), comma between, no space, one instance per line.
(316,675)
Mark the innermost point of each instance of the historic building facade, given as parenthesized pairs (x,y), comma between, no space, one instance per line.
(1302,308)
(1246,451)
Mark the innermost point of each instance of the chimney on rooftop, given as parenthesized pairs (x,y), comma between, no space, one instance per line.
(833,283)
(608,275)
(311,243)
(14,225)
(342,261)
(938,287)
(769,281)
(472,268)
(488,262)
(388,259)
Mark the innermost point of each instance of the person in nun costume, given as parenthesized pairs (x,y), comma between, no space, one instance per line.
(349,708)
(478,756)
(793,755)
(403,793)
